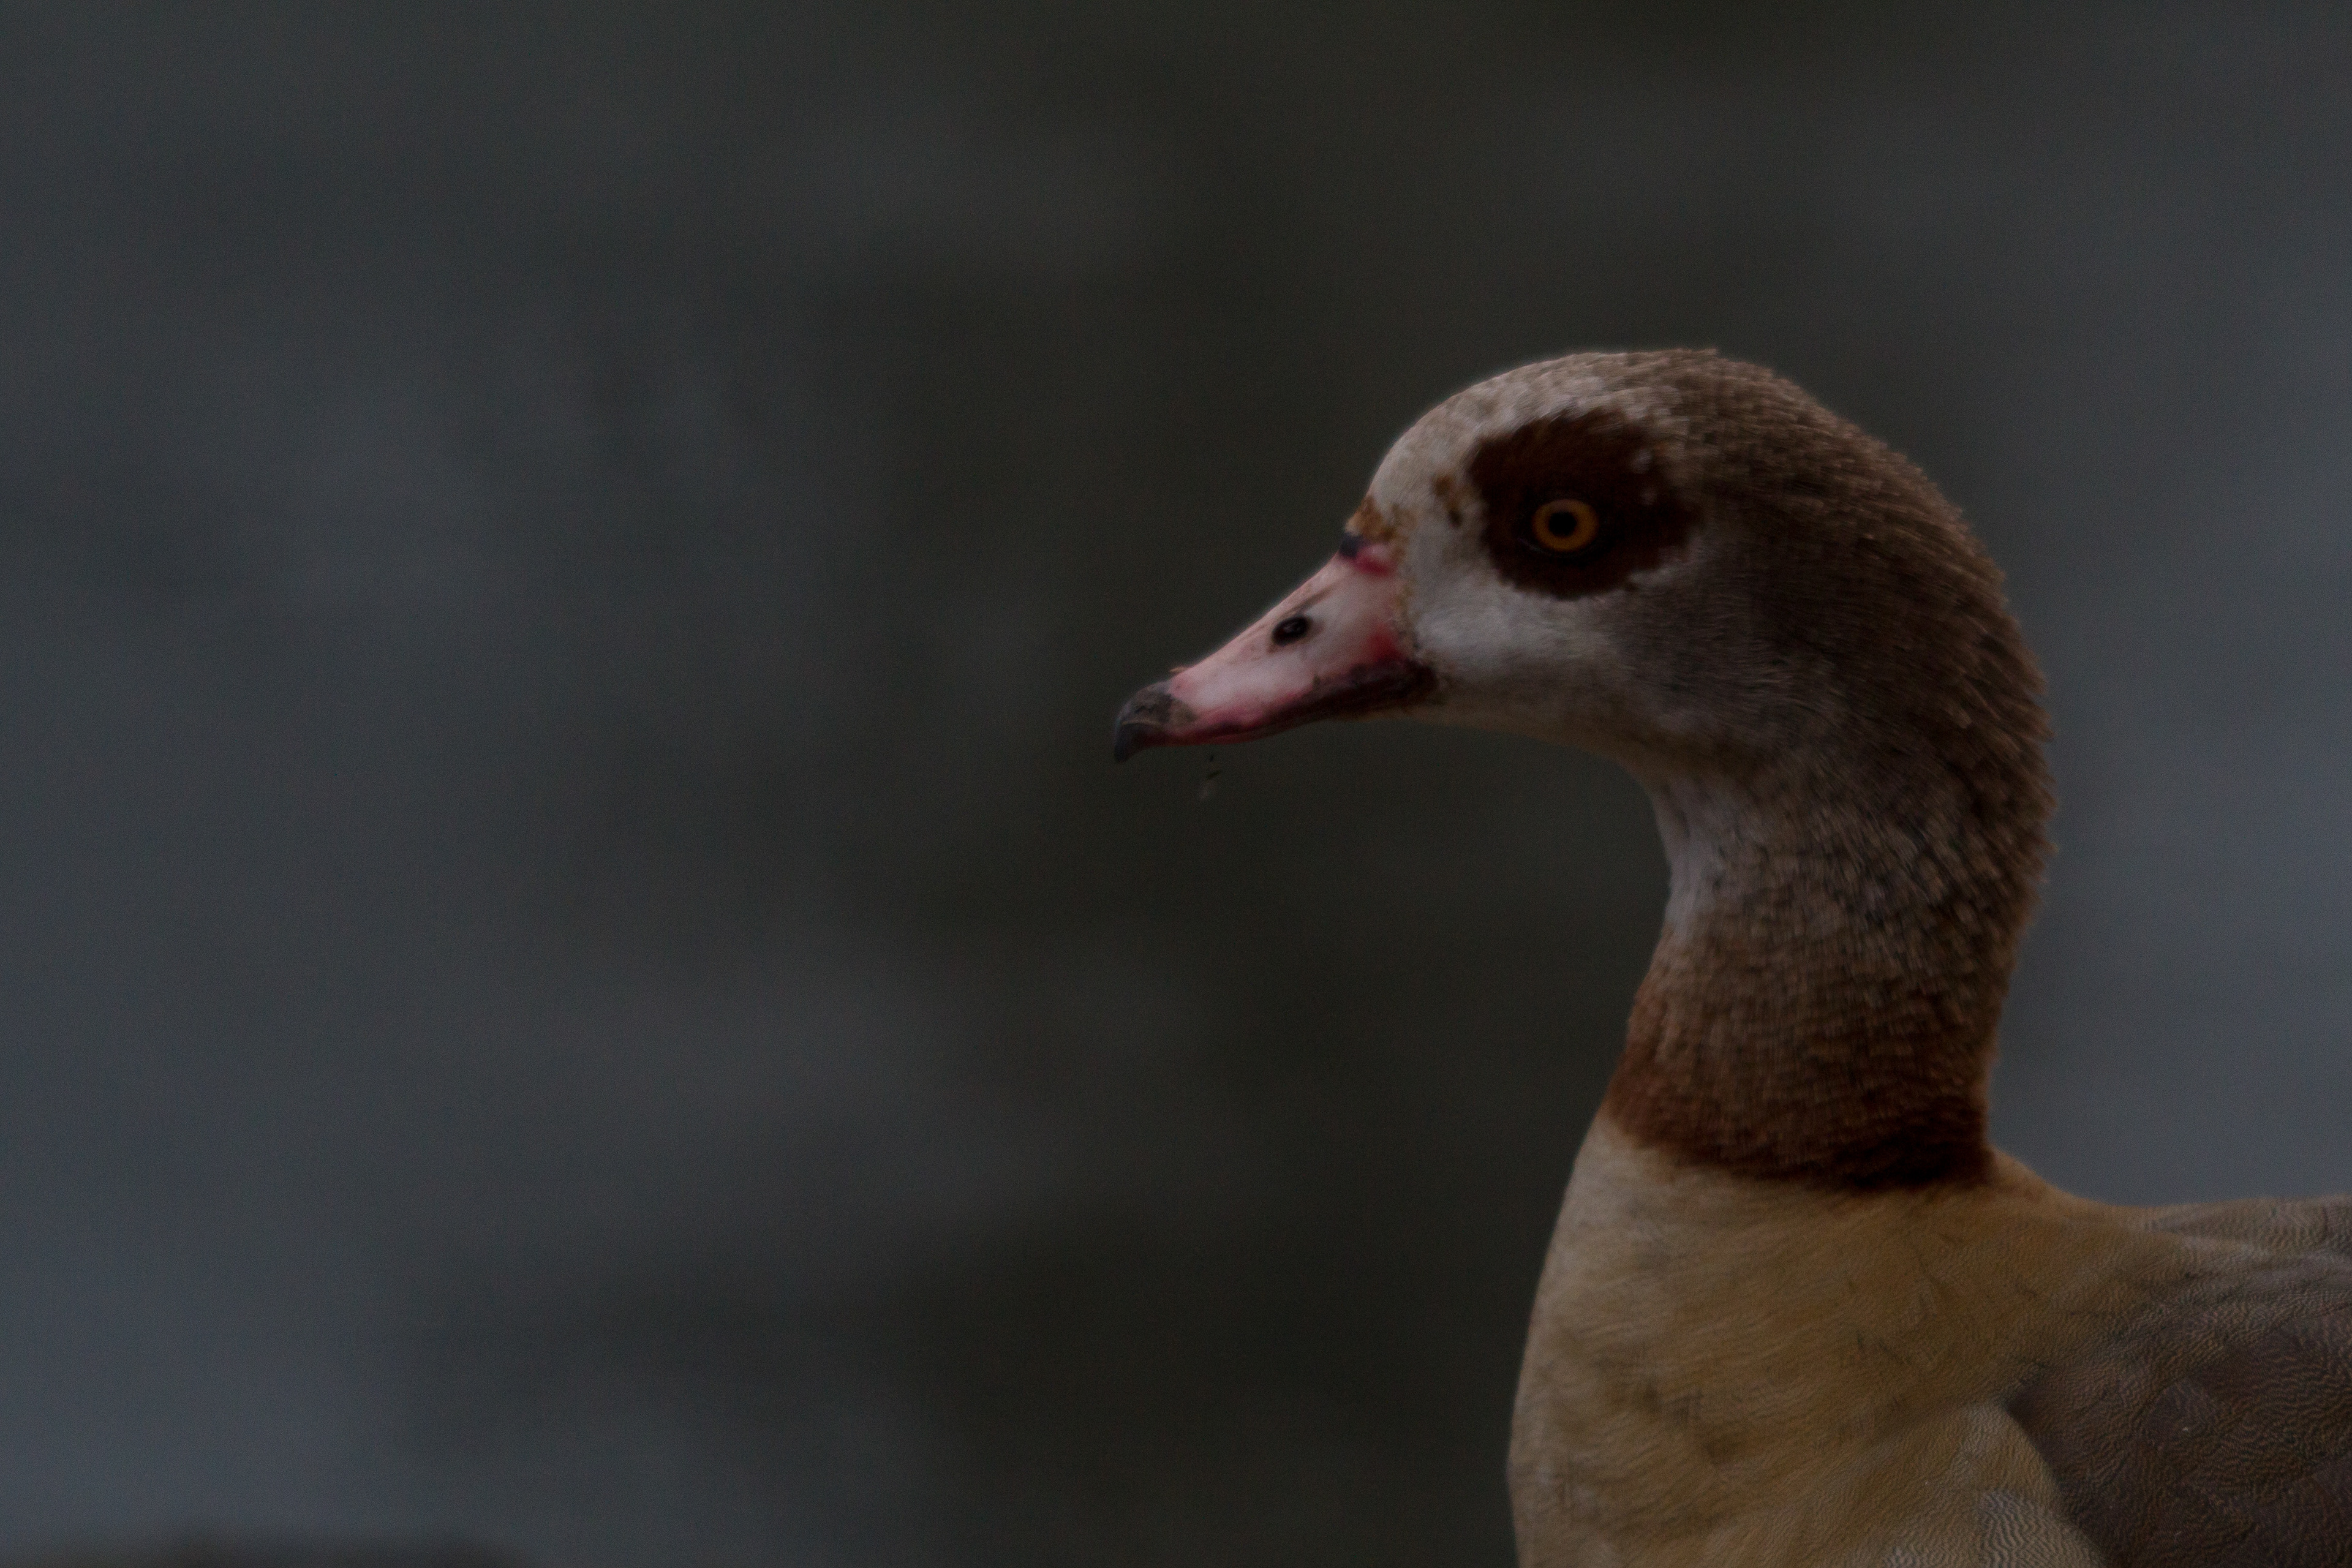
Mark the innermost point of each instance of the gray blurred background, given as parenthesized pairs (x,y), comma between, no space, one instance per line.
(576,975)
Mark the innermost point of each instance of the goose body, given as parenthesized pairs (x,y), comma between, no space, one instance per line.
(1798,1312)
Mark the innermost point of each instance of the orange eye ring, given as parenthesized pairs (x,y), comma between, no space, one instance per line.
(1563,527)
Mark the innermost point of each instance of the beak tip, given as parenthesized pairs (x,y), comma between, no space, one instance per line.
(1144,722)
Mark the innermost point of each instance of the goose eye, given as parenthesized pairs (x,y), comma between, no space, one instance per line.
(1564,526)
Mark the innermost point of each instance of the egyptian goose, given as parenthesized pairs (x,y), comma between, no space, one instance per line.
(1798,1310)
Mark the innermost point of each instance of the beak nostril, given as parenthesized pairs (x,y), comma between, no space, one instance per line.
(1290,629)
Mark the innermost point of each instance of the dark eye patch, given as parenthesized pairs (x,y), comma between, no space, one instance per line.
(1598,457)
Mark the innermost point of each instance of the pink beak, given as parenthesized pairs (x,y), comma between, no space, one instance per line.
(1333,649)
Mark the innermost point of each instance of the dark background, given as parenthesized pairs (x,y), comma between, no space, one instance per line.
(576,974)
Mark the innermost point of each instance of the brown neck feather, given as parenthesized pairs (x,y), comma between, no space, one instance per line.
(1822,1005)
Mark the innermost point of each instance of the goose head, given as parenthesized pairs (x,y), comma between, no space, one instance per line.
(1675,560)
(1684,563)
